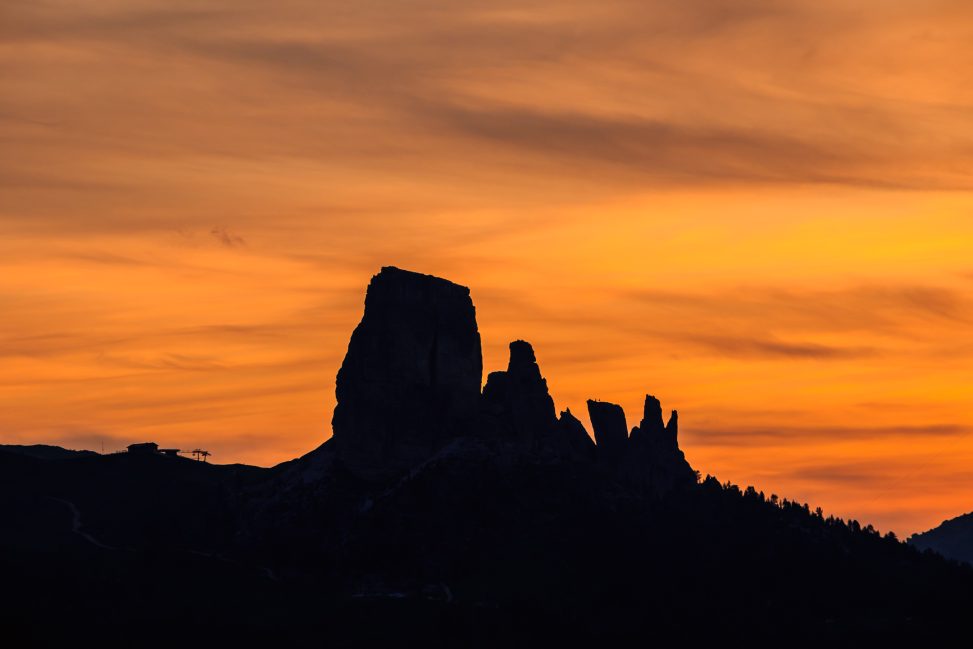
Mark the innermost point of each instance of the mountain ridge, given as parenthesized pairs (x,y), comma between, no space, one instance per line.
(953,538)
(443,513)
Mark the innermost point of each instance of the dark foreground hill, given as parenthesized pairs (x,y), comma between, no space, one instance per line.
(440,514)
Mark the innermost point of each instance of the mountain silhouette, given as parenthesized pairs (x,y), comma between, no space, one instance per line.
(952,538)
(443,514)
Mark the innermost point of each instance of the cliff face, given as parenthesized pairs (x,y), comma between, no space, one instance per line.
(411,378)
(410,385)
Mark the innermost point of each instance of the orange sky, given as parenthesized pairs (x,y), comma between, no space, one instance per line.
(761,214)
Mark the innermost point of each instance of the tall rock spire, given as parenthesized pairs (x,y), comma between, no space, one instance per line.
(652,432)
(411,378)
(611,431)
(655,461)
(520,393)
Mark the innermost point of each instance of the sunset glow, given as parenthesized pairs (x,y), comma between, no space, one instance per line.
(763,216)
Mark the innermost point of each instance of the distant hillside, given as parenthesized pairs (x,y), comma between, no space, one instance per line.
(952,539)
(43,451)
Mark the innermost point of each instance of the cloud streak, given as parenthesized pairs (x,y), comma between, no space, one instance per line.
(642,96)
(789,434)
(227,238)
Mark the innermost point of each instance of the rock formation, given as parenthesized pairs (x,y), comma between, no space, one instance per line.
(672,430)
(652,432)
(519,410)
(519,395)
(651,426)
(654,459)
(410,385)
(411,378)
(611,431)
(571,433)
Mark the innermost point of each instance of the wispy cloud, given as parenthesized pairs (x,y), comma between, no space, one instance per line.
(770,348)
(791,434)
(227,238)
(644,95)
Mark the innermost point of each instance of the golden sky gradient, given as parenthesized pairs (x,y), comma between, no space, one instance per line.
(761,212)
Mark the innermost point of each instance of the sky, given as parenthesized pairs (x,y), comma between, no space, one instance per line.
(760,212)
